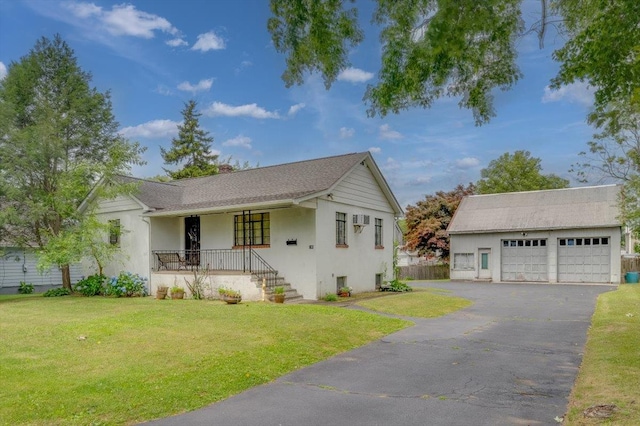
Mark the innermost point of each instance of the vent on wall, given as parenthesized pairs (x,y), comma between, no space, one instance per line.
(360,219)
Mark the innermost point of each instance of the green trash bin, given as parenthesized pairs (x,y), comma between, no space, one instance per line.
(631,277)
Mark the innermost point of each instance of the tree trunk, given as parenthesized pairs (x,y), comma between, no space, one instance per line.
(66,277)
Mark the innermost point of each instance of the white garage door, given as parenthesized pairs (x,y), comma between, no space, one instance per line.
(584,260)
(524,260)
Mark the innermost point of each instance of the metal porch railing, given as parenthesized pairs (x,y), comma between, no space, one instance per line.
(240,260)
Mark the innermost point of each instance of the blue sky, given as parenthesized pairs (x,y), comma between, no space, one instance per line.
(155,55)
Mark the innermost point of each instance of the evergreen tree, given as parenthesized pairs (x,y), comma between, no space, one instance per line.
(58,137)
(192,148)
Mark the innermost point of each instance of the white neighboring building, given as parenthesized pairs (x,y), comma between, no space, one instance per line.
(555,236)
(317,224)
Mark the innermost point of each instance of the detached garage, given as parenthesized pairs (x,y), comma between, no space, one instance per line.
(562,235)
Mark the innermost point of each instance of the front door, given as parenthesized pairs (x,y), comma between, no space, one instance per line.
(484,264)
(192,239)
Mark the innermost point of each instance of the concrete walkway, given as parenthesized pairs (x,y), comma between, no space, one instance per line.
(510,359)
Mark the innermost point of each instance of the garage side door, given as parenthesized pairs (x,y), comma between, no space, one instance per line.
(524,260)
(582,260)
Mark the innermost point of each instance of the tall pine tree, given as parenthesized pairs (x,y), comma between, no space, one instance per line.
(191,149)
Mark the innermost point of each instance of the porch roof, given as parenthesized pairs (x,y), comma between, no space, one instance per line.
(272,186)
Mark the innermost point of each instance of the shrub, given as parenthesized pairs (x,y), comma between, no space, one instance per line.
(330,297)
(25,288)
(93,285)
(398,286)
(126,284)
(56,292)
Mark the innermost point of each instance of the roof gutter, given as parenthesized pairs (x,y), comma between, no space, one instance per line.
(221,209)
(557,228)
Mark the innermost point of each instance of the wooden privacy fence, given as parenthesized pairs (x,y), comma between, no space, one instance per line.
(630,264)
(424,272)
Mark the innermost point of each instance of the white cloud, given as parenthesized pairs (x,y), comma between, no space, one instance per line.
(122,19)
(387,133)
(84,10)
(176,42)
(347,132)
(295,108)
(579,92)
(355,75)
(467,162)
(209,41)
(163,90)
(419,181)
(375,150)
(202,85)
(3,71)
(240,140)
(248,110)
(391,164)
(152,129)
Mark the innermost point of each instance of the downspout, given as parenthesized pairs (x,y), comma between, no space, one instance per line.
(147,220)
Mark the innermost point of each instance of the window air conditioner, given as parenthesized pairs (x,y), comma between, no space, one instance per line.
(360,219)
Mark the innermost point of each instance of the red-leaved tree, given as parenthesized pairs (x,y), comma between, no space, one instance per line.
(428,220)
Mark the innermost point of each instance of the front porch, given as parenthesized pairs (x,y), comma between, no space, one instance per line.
(238,269)
(245,261)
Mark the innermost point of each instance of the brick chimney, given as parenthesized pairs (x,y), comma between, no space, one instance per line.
(225,168)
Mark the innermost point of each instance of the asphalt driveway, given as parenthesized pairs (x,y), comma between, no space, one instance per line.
(510,359)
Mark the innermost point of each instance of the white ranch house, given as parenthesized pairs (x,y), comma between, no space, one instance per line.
(554,236)
(315,225)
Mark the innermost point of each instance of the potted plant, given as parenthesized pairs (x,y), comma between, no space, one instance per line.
(177,292)
(229,295)
(344,291)
(161,292)
(278,294)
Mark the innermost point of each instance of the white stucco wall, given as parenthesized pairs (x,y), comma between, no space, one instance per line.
(248,287)
(360,261)
(472,243)
(134,251)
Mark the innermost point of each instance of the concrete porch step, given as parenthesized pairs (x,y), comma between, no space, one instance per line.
(290,293)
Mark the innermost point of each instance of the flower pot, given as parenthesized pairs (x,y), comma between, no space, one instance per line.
(344,294)
(161,292)
(232,300)
(278,298)
(177,295)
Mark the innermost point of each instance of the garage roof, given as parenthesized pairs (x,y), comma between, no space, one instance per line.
(571,208)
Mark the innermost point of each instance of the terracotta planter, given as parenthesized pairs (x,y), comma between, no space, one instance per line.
(345,294)
(161,292)
(178,295)
(278,298)
(232,300)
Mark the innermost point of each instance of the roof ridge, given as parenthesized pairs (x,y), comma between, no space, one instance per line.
(274,165)
(170,183)
(547,190)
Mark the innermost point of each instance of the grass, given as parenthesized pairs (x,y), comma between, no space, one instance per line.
(73,360)
(421,303)
(610,370)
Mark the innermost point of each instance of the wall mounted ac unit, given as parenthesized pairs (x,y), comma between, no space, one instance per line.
(360,219)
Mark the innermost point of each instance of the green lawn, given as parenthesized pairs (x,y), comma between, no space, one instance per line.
(610,370)
(74,360)
(421,303)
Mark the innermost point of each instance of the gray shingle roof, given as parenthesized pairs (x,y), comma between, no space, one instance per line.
(260,185)
(586,207)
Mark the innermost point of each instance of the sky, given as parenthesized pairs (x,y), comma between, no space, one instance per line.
(154,56)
